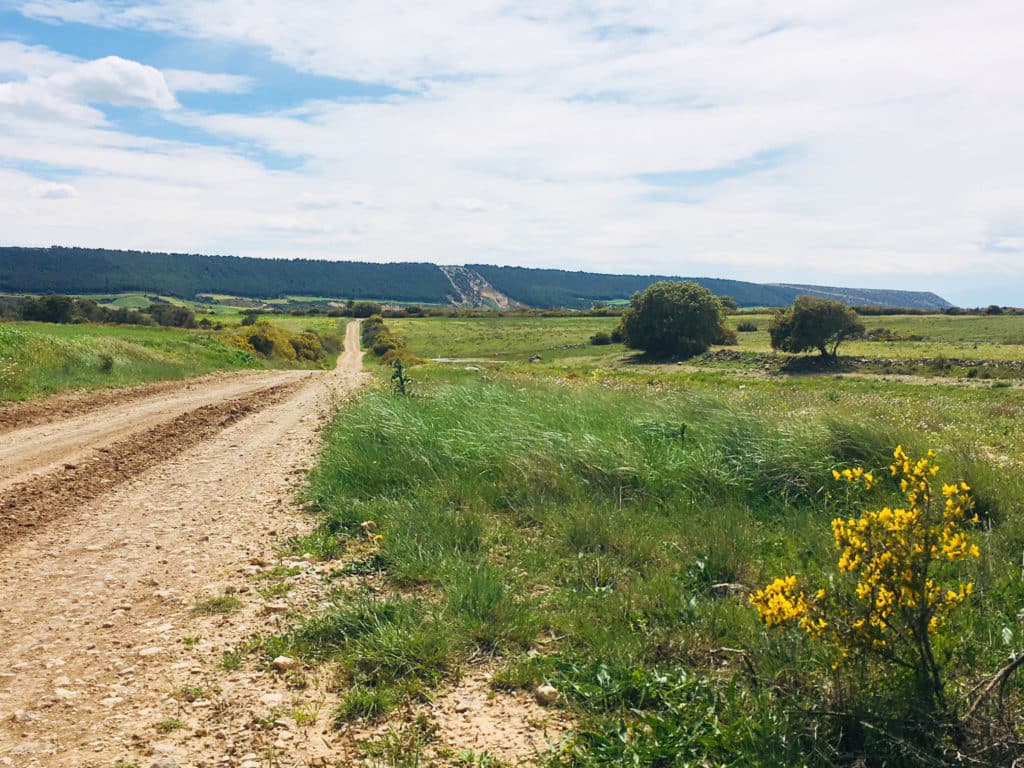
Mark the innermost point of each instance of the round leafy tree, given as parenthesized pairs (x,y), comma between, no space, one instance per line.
(814,324)
(672,319)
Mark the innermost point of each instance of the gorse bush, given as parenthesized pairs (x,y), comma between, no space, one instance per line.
(898,601)
(272,342)
(378,338)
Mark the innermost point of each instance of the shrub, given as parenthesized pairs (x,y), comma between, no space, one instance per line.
(172,316)
(378,338)
(814,324)
(365,309)
(267,340)
(891,595)
(308,346)
(746,327)
(383,344)
(673,319)
(601,339)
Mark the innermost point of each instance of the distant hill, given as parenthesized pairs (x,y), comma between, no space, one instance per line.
(92,271)
(559,288)
(83,270)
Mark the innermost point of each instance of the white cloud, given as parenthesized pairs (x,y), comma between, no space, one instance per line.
(20,60)
(902,123)
(55,191)
(113,80)
(71,89)
(190,81)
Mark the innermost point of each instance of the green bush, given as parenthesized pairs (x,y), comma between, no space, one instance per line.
(674,320)
(814,324)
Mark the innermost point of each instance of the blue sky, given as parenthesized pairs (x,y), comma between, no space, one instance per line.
(851,143)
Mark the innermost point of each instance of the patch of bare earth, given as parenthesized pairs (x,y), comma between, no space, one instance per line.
(104,656)
(471,718)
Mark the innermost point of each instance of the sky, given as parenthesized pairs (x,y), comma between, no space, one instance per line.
(838,142)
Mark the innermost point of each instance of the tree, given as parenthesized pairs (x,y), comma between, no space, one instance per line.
(814,324)
(673,319)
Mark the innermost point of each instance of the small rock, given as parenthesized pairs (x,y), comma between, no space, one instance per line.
(463,706)
(151,651)
(283,663)
(546,695)
(276,607)
(165,762)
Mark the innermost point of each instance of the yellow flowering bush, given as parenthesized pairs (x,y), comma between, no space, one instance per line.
(898,599)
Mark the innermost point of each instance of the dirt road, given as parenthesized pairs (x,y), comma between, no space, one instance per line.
(184,496)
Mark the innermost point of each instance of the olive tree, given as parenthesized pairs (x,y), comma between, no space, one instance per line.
(814,324)
(673,319)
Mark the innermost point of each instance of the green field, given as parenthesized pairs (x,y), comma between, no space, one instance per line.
(45,358)
(565,342)
(502,338)
(42,358)
(598,524)
(970,337)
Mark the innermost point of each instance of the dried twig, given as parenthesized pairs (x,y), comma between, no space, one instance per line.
(996,682)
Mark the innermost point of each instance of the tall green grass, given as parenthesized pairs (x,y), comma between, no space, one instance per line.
(39,358)
(602,538)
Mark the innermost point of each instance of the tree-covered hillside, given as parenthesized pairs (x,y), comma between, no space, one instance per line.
(83,270)
(559,288)
(95,271)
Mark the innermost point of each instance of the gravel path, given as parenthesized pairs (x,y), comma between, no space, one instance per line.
(102,658)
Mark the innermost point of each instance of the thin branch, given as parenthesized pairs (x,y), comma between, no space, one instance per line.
(997,681)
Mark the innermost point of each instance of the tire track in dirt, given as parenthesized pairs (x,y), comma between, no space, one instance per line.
(36,450)
(26,505)
(67,405)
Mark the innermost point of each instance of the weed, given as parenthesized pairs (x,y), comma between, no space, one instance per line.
(169,725)
(402,748)
(474,759)
(219,604)
(366,703)
(190,693)
(275,590)
(230,661)
(190,642)
(306,714)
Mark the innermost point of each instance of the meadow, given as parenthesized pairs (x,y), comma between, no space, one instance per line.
(600,525)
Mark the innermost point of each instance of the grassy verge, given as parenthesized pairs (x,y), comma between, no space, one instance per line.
(601,532)
(43,358)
